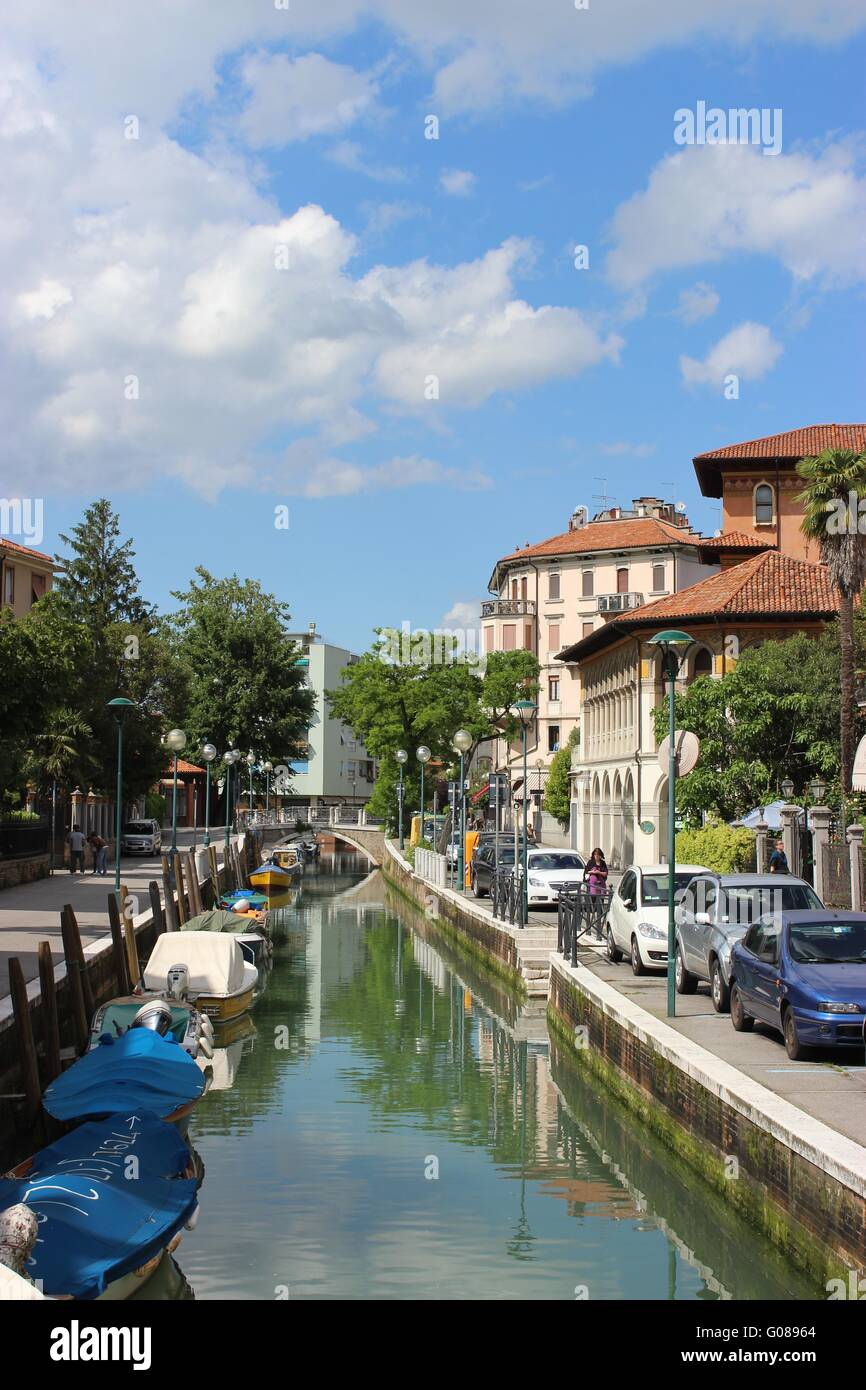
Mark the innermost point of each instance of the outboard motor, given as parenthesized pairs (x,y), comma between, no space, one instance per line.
(177,981)
(155,1015)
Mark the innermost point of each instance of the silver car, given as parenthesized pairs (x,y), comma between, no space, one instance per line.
(715,911)
(141,837)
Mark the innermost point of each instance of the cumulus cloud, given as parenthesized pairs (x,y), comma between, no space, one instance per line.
(461,615)
(457,182)
(749,350)
(698,302)
(713,201)
(306,470)
(292,99)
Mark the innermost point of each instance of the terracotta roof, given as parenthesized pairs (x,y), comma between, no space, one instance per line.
(768,585)
(787,448)
(183,766)
(736,540)
(25,550)
(628,534)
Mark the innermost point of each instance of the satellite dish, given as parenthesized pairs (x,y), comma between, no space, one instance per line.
(687,747)
(681,506)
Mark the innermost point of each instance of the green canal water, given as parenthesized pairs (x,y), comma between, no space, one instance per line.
(396,1127)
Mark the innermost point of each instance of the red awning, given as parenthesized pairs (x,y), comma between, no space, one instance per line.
(476,796)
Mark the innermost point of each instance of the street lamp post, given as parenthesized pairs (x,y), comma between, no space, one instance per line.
(251,762)
(267,768)
(229,758)
(524,710)
(673,645)
(120,705)
(461,743)
(208,754)
(423,756)
(401,755)
(176,741)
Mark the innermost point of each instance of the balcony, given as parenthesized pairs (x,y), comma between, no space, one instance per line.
(508,608)
(618,603)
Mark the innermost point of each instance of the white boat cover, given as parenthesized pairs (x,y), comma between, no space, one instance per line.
(214,960)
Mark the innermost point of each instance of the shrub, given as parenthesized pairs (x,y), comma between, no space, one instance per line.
(154,807)
(720,847)
(21,817)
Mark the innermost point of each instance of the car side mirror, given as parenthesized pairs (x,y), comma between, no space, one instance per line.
(679,895)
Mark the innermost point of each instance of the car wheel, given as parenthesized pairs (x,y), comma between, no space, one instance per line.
(686,982)
(794,1048)
(637,964)
(743,1022)
(477,890)
(719,990)
(614,954)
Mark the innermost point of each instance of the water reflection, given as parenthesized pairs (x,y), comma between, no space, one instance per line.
(396,1127)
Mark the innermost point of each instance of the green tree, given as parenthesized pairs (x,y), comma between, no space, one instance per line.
(835,482)
(557,793)
(244,685)
(41,654)
(98,585)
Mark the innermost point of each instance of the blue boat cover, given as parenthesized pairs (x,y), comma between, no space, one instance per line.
(101,1214)
(254,898)
(138,1071)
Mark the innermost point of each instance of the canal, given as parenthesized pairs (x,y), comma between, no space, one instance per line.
(393,1126)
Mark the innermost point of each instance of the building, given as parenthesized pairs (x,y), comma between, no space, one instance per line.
(25,576)
(337,768)
(556,593)
(767,587)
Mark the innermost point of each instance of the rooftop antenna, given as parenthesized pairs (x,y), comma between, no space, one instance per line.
(602,496)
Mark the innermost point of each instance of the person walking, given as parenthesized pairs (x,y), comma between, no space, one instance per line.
(595,876)
(99,848)
(779,859)
(76,841)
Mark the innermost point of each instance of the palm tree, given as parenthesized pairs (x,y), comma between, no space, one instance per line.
(835,482)
(57,747)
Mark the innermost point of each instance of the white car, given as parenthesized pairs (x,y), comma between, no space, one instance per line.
(637,922)
(141,837)
(550,870)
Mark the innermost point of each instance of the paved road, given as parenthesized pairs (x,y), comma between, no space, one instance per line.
(832,1087)
(30,913)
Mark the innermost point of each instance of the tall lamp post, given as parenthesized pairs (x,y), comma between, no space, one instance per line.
(229,758)
(461,743)
(119,705)
(267,769)
(401,755)
(524,710)
(423,756)
(176,741)
(208,754)
(673,646)
(251,762)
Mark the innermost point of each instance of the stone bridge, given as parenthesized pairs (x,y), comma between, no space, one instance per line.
(369,840)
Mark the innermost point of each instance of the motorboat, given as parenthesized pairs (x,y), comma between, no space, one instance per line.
(138,1071)
(248,929)
(290,857)
(272,877)
(207,968)
(258,902)
(73,1223)
(193,1030)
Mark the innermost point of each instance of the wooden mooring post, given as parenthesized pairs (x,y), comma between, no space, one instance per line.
(156,908)
(118,946)
(171,918)
(51,1065)
(26,1045)
(76,977)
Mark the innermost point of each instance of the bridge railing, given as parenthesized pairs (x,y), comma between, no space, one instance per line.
(506,897)
(579,913)
(432,867)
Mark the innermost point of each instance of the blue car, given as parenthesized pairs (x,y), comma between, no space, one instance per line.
(803,973)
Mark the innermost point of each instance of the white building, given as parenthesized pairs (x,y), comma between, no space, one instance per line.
(338,769)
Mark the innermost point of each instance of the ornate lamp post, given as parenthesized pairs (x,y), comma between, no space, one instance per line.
(208,754)
(119,705)
(251,762)
(787,788)
(524,710)
(176,741)
(673,646)
(267,769)
(423,756)
(401,755)
(461,743)
(818,788)
(229,758)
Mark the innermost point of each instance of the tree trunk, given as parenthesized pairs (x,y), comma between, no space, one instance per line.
(846,726)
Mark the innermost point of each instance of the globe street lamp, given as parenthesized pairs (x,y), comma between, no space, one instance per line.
(524,710)
(208,754)
(423,756)
(401,755)
(673,646)
(267,769)
(229,758)
(251,762)
(120,705)
(176,741)
(461,743)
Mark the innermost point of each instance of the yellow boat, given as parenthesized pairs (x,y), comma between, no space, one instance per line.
(288,858)
(272,877)
(207,968)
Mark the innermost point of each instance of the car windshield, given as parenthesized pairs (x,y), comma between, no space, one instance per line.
(555,861)
(746,904)
(656,888)
(828,943)
(138,827)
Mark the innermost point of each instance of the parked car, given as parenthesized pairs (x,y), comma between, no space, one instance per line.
(637,919)
(715,911)
(549,871)
(803,973)
(141,837)
(484,863)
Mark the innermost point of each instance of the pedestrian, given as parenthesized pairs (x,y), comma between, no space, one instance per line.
(100,853)
(779,859)
(76,842)
(595,876)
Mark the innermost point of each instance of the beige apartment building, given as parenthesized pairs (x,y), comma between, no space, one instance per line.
(553,594)
(25,576)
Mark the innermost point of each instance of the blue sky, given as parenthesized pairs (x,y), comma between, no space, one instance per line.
(153,258)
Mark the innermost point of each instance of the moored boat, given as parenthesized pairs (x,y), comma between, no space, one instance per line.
(205,967)
(139,1070)
(193,1030)
(248,929)
(271,877)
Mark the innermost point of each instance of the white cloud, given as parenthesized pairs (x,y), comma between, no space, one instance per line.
(292,99)
(698,302)
(457,182)
(461,615)
(749,350)
(306,471)
(713,201)
(349,155)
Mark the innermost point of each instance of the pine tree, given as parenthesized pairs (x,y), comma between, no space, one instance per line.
(98,585)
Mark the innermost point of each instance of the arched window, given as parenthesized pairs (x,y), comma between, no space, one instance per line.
(765,505)
(703,663)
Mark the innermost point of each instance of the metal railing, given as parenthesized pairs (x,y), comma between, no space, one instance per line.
(506,896)
(508,608)
(579,913)
(20,839)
